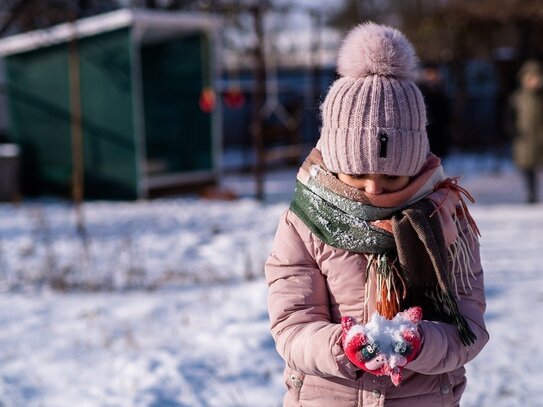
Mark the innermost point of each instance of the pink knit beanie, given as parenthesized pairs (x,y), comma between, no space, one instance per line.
(374,117)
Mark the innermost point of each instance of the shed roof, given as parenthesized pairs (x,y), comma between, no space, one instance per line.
(86,27)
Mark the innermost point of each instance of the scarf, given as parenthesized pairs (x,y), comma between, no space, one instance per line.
(412,238)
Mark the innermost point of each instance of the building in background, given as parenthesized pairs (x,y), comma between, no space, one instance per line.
(145,85)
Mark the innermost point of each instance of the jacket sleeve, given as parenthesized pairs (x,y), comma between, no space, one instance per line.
(299,308)
(442,350)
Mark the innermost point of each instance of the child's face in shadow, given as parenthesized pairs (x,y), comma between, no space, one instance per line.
(375,184)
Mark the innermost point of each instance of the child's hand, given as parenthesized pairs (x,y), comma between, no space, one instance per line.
(382,346)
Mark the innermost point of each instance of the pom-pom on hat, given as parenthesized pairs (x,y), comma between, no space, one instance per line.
(374,117)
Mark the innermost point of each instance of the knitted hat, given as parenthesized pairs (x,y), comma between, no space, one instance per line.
(374,118)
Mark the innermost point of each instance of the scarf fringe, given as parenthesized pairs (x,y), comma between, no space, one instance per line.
(459,254)
(451,308)
(451,185)
(384,276)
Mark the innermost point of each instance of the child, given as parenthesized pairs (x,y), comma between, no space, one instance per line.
(376,293)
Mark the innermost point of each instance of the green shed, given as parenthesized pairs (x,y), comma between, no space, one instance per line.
(145,92)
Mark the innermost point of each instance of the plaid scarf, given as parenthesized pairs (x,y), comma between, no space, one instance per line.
(412,238)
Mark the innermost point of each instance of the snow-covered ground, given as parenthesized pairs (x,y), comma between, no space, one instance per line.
(179,315)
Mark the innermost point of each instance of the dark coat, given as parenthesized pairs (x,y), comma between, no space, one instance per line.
(438,113)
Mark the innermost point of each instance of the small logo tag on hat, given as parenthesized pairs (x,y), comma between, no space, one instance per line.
(383,140)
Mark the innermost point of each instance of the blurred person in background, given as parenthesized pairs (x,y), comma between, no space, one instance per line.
(527,108)
(438,109)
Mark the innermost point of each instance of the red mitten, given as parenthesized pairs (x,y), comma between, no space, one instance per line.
(382,346)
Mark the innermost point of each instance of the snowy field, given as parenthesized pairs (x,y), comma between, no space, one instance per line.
(166,306)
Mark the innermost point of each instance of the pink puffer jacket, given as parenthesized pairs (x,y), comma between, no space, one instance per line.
(311,285)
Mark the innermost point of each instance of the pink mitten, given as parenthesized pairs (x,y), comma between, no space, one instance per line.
(382,346)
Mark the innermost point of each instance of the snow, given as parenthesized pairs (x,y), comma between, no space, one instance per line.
(383,332)
(178,316)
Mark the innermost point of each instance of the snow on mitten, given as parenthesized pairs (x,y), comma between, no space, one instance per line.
(382,346)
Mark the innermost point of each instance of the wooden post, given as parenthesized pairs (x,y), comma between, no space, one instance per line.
(76,124)
(75,120)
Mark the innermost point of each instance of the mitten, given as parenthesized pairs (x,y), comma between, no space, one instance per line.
(382,346)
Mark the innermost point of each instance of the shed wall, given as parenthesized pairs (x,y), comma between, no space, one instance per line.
(39,93)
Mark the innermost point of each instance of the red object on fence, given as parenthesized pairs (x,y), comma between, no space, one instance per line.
(207,100)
